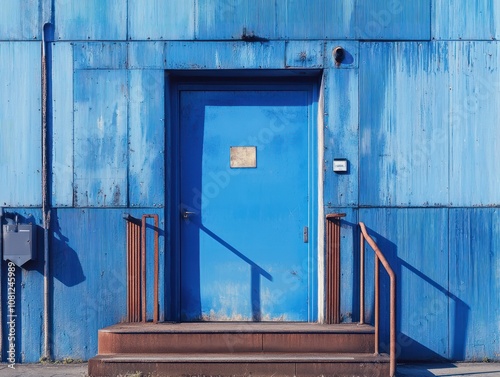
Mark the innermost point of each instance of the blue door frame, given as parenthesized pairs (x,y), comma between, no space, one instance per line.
(221,268)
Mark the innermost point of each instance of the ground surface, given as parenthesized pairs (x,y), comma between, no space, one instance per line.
(413,370)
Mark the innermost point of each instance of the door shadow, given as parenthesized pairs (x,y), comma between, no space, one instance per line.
(256,274)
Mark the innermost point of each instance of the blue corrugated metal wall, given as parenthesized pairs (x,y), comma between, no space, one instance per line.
(414,108)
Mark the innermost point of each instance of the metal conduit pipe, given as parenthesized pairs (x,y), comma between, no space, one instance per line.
(45,204)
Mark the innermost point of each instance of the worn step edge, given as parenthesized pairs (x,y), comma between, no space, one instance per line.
(237,328)
(251,357)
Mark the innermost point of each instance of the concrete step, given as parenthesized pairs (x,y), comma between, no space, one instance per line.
(233,337)
(241,364)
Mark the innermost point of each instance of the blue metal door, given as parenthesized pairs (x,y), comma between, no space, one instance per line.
(245,208)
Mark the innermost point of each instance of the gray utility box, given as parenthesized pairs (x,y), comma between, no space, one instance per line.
(19,244)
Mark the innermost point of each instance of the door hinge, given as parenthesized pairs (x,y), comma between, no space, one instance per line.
(306,234)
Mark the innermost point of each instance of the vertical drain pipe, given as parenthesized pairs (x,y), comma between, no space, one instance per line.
(45,207)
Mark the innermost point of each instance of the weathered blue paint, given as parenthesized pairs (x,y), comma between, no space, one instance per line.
(474,283)
(168,20)
(341,128)
(246,260)
(225,55)
(393,20)
(304,54)
(230,19)
(320,19)
(100,141)
(472,119)
(403,136)
(417,121)
(62,125)
(19,20)
(480,20)
(29,292)
(91,20)
(88,279)
(147,55)
(100,55)
(415,242)
(20,124)
(146,138)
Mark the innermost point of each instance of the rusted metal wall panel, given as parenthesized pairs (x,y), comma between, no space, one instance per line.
(474,283)
(89,276)
(404,124)
(466,20)
(225,55)
(91,20)
(415,242)
(19,20)
(62,124)
(101,151)
(393,20)
(172,19)
(20,124)
(146,138)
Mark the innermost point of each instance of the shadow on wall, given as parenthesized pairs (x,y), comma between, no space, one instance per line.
(407,348)
(457,318)
(65,265)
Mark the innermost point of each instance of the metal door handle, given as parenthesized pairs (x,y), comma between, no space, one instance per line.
(186,214)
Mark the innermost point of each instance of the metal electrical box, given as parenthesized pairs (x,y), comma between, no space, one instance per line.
(19,243)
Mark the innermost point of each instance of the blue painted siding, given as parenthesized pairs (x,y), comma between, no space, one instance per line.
(100,145)
(228,19)
(100,55)
(393,20)
(89,282)
(62,125)
(173,19)
(341,136)
(91,20)
(474,283)
(320,19)
(29,294)
(146,151)
(413,107)
(404,124)
(466,20)
(19,20)
(20,124)
(225,55)
(147,55)
(473,123)
(415,242)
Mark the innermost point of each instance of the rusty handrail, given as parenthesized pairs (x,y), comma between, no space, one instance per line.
(379,257)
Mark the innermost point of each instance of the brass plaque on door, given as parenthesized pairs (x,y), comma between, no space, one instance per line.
(243,157)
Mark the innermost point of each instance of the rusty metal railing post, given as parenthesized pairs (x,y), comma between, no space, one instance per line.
(362,279)
(380,258)
(333,267)
(377,305)
(156,268)
(137,271)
